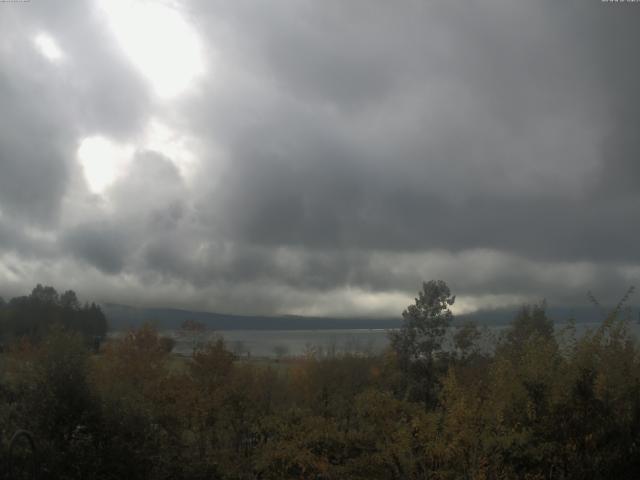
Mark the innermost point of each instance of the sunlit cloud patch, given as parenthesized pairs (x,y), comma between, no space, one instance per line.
(159,42)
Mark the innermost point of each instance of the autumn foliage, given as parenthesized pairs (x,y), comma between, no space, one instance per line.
(537,404)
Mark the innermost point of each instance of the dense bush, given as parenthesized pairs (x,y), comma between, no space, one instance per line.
(540,405)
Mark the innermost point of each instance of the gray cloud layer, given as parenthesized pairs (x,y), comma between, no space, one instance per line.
(344,152)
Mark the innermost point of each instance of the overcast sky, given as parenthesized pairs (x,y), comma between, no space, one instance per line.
(320,157)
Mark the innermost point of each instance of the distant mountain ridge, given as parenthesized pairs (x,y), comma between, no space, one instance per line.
(122,317)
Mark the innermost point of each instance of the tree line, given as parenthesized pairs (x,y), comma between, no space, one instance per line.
(33,315)
(539,404)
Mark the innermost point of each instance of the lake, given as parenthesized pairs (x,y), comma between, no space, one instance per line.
(276,343)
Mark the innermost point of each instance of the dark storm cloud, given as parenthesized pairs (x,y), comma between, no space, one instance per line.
(147,204)
(13,238)
(343,149)
(98,88)
(101,244)
(489,135)
(34,170)
(620,165)
(47,107)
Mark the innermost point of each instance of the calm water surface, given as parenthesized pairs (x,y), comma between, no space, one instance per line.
(277,343)
(274,343)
